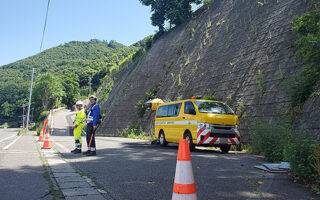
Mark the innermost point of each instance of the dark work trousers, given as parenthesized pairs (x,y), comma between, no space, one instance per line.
(90,137)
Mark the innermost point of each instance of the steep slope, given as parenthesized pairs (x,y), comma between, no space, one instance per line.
(240,51)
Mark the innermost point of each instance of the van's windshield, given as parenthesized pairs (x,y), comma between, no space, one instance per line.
(213,107)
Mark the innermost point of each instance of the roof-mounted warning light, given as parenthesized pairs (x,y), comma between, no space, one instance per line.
(197,97)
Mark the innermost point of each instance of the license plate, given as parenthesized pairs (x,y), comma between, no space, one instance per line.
(223,140)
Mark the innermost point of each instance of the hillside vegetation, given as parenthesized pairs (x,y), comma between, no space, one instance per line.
(62,75)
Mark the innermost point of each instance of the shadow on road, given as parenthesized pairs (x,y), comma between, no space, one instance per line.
(24,183)
(139,170)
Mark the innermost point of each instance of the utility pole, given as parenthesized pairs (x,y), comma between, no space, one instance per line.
(23,111)
(90,79)
(30,95)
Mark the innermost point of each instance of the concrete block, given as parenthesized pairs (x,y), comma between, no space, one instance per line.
(89,197)
(79,192)
(70,185)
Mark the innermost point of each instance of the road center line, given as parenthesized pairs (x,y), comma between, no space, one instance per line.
(14,141)
(7,138)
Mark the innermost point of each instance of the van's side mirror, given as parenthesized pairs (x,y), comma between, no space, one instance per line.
(192,112)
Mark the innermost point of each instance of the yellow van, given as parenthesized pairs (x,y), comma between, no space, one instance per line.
(202,122)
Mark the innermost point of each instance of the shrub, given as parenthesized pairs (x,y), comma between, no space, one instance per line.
(209,96)
(270,140)
(38,128)
(301,86)
(140,109)
(205,2)
(278,142)
(299,152)
(43,115)
(151,94)
(149,42)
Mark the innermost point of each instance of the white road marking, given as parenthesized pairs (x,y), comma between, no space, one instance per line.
(14,141)
(7,138)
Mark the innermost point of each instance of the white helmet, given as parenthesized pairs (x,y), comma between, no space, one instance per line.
(79,103)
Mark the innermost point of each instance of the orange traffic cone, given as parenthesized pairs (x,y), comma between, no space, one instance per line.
(184,187)
(43,130)
(46,144)
(40,136)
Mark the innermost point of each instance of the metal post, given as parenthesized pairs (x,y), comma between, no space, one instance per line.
(30,95)
(23,115)
(90,79)
(51,111)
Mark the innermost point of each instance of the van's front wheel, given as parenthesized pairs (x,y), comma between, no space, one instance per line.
(162,139)
(188,136)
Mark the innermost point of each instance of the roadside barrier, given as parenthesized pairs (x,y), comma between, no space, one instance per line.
(184,187)
(46,144)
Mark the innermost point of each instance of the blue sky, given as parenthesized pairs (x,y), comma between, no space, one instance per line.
(21,24)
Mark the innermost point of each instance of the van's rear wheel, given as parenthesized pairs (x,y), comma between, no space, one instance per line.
(188,136)
(225,149)
(162,139)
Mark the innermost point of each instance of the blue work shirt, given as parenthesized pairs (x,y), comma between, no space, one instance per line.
(93,112)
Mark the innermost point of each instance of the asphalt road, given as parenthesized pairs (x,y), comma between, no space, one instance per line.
(21,171)
(136,170)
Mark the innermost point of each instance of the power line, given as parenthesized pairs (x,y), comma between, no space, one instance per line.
(45,25)
(30,95)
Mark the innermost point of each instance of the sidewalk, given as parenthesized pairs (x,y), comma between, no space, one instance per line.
(21,172)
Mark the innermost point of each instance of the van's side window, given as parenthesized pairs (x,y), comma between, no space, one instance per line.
(169,110)
(173,110)
(189,108)
(162,111)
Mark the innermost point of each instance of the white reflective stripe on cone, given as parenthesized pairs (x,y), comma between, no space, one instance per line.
(184,196)
(184,173)
(92,149)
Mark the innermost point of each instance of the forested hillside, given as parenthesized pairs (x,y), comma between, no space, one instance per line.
(67,69)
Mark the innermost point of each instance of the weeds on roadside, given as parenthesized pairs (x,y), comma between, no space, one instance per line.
(135,132)
(279,142)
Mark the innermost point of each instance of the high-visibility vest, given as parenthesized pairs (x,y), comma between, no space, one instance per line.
(80,117)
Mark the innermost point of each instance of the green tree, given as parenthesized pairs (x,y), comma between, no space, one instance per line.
(71,88)
(172,11)
(48,92)
(6,109)
(12,95)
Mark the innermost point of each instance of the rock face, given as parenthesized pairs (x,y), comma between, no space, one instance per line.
(240,51)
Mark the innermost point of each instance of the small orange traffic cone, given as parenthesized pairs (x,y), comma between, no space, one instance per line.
(184,187)
(43,130)
(40,136)
(46,144)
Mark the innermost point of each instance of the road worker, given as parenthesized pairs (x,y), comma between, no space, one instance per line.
(93,117)
(77,126)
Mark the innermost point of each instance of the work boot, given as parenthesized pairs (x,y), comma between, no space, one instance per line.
(74,150)
(92,153)
(87,152)
(77,151)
